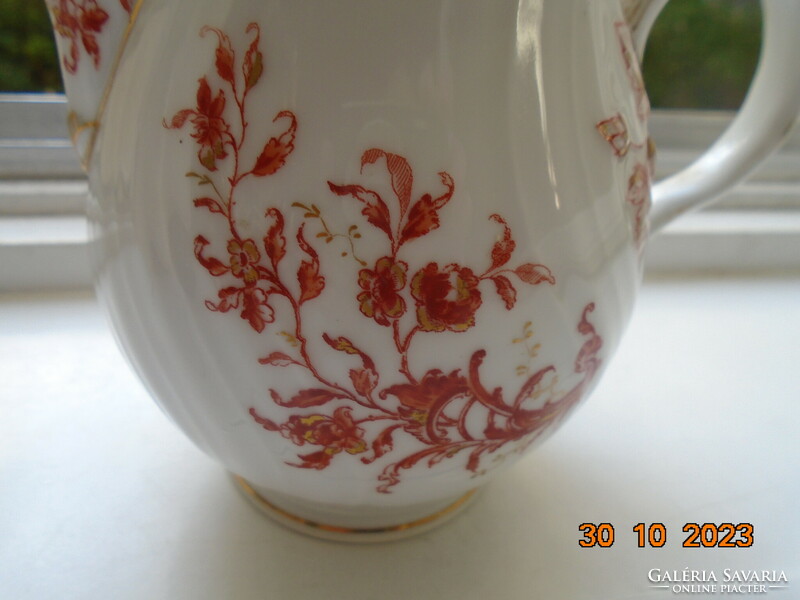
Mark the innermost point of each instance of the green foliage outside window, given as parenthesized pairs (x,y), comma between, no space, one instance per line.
(27,51)
(701,53)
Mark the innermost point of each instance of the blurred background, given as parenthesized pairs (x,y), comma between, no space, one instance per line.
(701,53)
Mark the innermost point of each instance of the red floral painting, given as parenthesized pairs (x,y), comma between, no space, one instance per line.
(80,22)
(616,132)
(363,414)
(632,70)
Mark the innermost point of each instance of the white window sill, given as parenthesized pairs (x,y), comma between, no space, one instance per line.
(43,252)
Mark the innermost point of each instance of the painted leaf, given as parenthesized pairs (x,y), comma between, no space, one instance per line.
(206,103)
(274,241)
(364,380)
(504,246)
(375,209)
(179,118)
(92,47)
(316,460)
(342,344)
(306,398)
(265,423)
(535,274)
(253,64)
(126,4)
(311,282)
(274,154)
(71,62)
(277,359)
(212,265)
(208,203)
(208,158)
(228,300)
(308,275)
(224,54)
(400,172)
(422,219)
(423,216)
(93,19)
(506,291)
(382,444)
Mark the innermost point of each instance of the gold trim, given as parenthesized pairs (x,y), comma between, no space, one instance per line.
(268,506)
(76,128)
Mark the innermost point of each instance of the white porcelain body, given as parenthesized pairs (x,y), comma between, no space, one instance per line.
(364,362)
(504,96)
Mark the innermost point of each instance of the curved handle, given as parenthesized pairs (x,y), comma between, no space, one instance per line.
(766,117)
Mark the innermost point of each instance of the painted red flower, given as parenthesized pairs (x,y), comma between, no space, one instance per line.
(446,299)
(211,130)
(335,434)
(244,257)
(78,22)
(380,299)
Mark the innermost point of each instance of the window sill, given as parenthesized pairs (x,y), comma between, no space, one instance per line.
(44,252)
(727,242)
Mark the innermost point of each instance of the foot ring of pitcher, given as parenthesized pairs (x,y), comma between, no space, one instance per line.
(317,528)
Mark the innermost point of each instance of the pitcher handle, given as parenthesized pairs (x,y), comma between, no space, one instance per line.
(762,123)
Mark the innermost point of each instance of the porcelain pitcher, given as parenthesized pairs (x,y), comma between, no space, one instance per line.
(366,253)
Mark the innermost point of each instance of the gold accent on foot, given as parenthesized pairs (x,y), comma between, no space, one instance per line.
(355,534)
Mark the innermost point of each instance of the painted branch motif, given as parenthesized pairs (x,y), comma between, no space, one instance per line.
(442,414)
(616,132)
(80,22)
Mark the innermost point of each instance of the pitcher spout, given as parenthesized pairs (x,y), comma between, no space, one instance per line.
(90,35)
